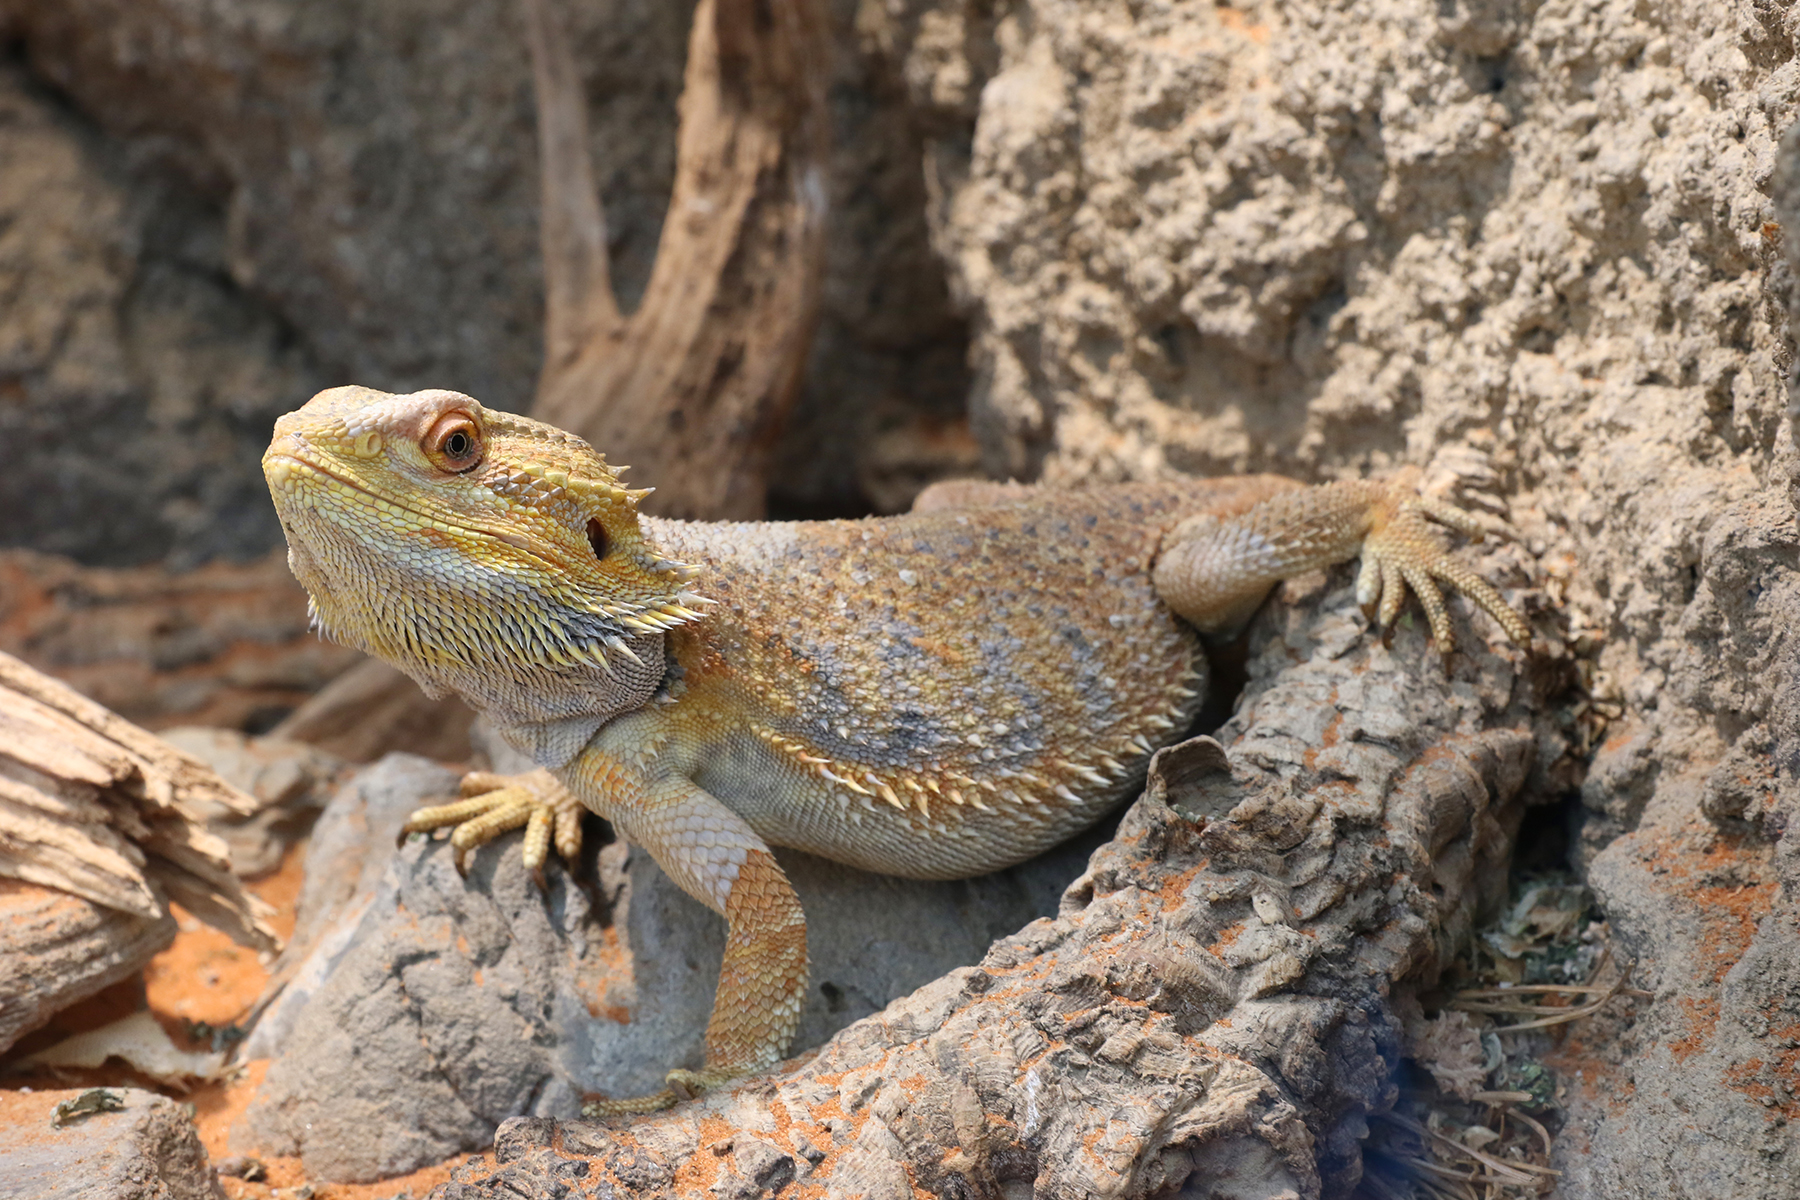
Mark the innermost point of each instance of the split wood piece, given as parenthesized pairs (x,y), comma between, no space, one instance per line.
(57,949)
(92,805)
(690,389)
(225,644)
(1215,1000)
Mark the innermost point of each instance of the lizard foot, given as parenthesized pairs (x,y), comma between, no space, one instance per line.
(683,1085)
(497,804)
(1402,551)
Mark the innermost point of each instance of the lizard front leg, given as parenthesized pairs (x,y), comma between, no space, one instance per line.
(493,805)
(1214,570)
(715,857)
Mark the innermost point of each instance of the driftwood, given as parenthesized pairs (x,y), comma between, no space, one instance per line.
(690,388)
(57,949)
(1215,1004)
(94,806)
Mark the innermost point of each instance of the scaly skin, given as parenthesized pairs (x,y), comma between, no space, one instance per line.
(935,695)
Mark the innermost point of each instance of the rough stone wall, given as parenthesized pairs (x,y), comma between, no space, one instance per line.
(1528,241)
(136,384)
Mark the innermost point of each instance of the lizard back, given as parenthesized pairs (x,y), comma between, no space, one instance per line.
(937,694)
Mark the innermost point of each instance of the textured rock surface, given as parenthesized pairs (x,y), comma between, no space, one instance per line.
(1210,1009)
(1531,241)
(1701,1096)
(346,870)
(137,385)
(145,1150)
(421,1009)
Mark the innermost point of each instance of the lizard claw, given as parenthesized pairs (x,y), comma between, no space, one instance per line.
(1402,553)
(683,1085)
(494,805)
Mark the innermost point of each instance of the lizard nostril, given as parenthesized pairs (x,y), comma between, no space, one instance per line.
(597,537)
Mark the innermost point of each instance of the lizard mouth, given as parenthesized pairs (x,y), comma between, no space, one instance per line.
(280,469)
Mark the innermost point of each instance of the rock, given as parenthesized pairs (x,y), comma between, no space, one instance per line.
(114,1144)
(56,949)
(1700,1096)
(1784,189)
(346,871)
(140,384)
(289,780)
(430,1008)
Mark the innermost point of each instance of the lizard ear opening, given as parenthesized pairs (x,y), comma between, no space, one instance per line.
(596,536)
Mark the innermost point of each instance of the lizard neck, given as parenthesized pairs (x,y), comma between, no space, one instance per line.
(551,716)
(543,705)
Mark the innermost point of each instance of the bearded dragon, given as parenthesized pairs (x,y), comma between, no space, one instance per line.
(933,695)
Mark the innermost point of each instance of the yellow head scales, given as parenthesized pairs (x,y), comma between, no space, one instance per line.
(454,540)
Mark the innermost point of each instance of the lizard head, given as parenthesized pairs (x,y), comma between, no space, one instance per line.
(477,551)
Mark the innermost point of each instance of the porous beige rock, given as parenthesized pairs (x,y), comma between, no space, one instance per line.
(1532,243)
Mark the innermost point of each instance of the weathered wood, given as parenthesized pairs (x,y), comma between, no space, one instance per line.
(57,949)
(92,805)
(691,387)
(372,709)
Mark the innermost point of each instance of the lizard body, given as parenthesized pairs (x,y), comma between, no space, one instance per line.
(935,695)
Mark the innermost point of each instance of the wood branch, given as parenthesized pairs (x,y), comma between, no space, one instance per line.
(57,949)
(1212,1010)
(94,806)
(578,303)
(690,389)
(374,709)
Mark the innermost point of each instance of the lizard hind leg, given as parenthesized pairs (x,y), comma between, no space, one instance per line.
(714,856)
(1214,569)
(494,805)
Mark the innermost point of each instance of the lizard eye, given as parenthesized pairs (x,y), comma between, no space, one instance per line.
(597,538)
(454,443)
